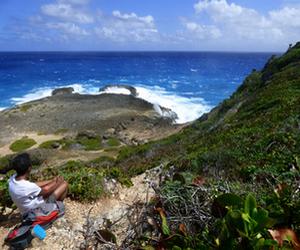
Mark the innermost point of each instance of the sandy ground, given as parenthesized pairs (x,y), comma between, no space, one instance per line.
(65,233)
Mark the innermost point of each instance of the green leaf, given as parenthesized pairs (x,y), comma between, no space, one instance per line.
(148,248)
(228,200)
(246,217)
(250,204)
(176,248)
(165,227)
(164,223)
(261,217)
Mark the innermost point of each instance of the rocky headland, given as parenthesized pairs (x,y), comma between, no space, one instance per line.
(125,116)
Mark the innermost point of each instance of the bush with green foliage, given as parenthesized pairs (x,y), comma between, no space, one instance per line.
(25,107)
(48,144)
(89,144)
(22,144)
(113,142)
(193,215)
(85,183)
(5,201)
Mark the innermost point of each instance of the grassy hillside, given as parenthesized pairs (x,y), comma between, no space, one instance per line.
(246,151)
(254,132)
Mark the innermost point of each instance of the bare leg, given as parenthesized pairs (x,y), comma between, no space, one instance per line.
(61,191)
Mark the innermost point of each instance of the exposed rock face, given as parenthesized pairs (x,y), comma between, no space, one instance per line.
(62,91)
(132,90)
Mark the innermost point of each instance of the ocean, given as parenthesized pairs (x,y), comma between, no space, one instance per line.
(189,83)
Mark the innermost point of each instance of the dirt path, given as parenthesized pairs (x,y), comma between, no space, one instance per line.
(65,233)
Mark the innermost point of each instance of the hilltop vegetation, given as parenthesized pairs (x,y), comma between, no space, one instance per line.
(254,132)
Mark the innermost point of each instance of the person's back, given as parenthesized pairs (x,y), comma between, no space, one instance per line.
(28,195)
(25,194)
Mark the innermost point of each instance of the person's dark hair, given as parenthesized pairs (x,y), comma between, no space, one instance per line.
(21,163)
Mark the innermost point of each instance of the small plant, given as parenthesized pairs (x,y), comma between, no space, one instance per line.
(85,183)
(25,107)
(48,144)
(84,142)
(90,143)
(5,201)
(22,144)
(119,175)
(4,162)
(113,142)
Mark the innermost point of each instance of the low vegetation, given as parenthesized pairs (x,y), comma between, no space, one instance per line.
(25,107)
(49,144)
(22,144)
(113,142)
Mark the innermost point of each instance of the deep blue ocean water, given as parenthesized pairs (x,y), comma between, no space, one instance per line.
(188,82)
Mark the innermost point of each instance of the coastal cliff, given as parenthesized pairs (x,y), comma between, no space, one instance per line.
(247,148)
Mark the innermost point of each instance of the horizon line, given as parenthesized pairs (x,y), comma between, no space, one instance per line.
(136,51)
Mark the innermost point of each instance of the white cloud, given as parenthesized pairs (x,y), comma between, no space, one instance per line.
(203,31)
(75,2)
(128,27)
(66,12)
(237,23)
(288,17)
(68,28)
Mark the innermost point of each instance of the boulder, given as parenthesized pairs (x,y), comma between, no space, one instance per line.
(88,134)
(63,91)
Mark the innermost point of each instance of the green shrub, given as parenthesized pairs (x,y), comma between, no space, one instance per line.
(119,175)
(48,144)
(4,162)
(113,142)
(5,201)
(22,144)
(85,184)
(25,107)
(90,143)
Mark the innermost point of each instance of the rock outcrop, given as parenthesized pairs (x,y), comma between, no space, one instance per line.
(62,91)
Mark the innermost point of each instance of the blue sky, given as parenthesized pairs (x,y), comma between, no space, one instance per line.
(217,25)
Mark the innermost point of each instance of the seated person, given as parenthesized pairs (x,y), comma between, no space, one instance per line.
(29,195)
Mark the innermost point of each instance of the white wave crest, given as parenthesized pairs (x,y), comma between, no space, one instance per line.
(116,90)
(47,91)
(2,108)
(187,109)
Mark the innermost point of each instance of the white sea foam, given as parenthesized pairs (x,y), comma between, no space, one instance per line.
(2,108)
(47,91)
(116,90)
(187,109)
